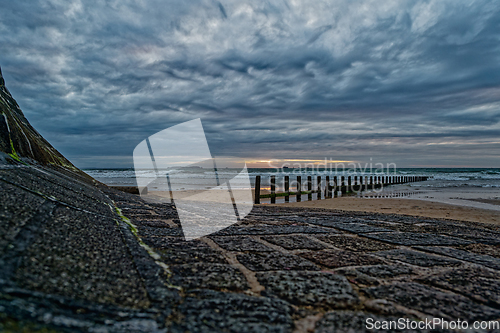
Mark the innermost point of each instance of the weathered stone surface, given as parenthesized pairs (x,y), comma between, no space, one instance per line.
(474,234)
(334,258)
(191,256)
(210,276)
(417,258)
(409,239)
(358,278)
(162,243)
(479,259)
(330,221)
(241,244)
(158,224)
(479,284)
(223,312)
(294,242)
(359,228)
(317,289)
(433,302)
(483,249)
(275,261)
(77,195)
(147,231)
(272,230)
(355,243)
(386,271)
(73,256)
(16,209)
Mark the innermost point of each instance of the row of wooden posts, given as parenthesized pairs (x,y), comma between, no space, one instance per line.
(340,184)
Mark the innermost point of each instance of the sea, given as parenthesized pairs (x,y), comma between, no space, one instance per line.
(475,187)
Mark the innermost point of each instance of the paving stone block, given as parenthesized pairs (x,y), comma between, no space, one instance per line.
(433,302)
(355,227)
(355,243)
(209,311)
(396,218)
(17,207)
(484,249)
(479,259)
(208,276)
(358,278)
(474,234)
(335,258)
(275,261)
(317,289)
(329,221)
(294,242)
(155,224)
(146,231)
(478,284)
(74,194)
(193,255)
(356,322)
(410,238)
(272,230)
(359,228)
(417,258)
(386,271)
(162,243)
(241,244)
(74,256)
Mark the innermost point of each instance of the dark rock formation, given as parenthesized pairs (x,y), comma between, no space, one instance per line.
(19,139)
(68,258)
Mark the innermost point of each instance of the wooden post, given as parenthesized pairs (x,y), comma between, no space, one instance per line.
(349,184)
(361,183)
(273,189)
(299,189)
(309,188)
(257,190)
(318,183)
(372,185)
(328,192)
(335,187)
(343,188)
(287,188)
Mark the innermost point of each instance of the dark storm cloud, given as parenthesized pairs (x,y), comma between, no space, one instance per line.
(278,79)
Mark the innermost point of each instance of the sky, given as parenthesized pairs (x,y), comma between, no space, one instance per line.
(415,83)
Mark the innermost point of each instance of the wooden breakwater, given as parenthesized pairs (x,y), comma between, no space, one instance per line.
(329,187)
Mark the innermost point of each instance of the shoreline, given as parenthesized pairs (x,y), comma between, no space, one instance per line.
(411,207)
(464,209)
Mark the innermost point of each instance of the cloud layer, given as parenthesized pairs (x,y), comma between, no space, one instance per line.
(414,82)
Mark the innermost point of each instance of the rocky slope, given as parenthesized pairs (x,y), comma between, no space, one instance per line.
(19,139)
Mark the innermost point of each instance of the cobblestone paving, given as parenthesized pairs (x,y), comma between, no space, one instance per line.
(73,262)
(326,271)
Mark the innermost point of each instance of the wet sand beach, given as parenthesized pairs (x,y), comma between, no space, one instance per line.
(411,207)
